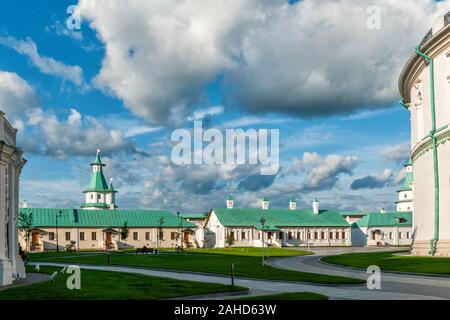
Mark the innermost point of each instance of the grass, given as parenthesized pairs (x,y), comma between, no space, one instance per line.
(217,261)
(103,285)
(389,262)
(252,252)
(288,296)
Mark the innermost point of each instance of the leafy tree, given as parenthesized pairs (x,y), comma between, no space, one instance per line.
(26,225)
(229,240)
(124,232)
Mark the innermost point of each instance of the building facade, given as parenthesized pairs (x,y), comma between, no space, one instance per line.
(99,225)
(424,86)
(252,227)
(11,164)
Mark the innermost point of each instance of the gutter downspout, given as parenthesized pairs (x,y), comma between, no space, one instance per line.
(433,241)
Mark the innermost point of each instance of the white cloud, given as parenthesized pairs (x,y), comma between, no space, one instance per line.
(46,65)
(372,182)
(399,153)
(16,94)
(324,172)
(77,135)
(206,113)
(313,58)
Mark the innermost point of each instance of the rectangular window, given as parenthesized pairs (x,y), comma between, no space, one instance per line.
(94,236)
(322,235)
(400,235)
(391,235)
(135,236)
(337,235)
(67,236)
(309,235)
(232,235)
(161,235)
(407,235)
(331,235)
(298,235)
(147,236)
(316,235)
(99,197)
(343,235)
(173,236)
(51,236)
(280,235)
(82,236)
(290,235)
(243,235)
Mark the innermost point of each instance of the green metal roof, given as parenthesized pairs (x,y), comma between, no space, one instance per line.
(388,219)
(194,215)
(265,199)
(111,188)
(279,218)
(230,197)
(97,160)
(293,200)
(102,218)
(407,182)
(352,214)
(95,205)
(268,228)
(98,183)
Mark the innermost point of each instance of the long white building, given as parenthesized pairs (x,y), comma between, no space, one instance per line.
(11,163)
(425,88)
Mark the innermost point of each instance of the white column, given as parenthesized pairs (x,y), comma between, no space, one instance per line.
(5,263)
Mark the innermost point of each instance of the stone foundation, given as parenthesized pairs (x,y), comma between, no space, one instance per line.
(422,248)
(5,273)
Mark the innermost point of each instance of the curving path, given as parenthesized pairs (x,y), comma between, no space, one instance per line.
(401,284)
(265,287)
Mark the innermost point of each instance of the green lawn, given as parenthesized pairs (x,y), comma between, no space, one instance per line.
(103,285)
(389,262)
(252,252)
(289,296)
(210,261)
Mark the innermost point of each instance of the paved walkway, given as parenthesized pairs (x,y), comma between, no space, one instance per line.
(391,283)
(31,278)
(263,287)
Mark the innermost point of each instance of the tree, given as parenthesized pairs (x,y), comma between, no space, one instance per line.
(26,225)
(229,240)
(124,232)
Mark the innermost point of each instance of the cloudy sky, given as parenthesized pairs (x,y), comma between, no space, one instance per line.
(136,70)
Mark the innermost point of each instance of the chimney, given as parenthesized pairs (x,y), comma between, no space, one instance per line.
(315,206)
(265,203)
(293,204)
(230,202)
(25,204)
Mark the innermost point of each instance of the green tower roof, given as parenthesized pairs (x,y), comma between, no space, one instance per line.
(97,160)
(230,197)
(406,186)
(98,183)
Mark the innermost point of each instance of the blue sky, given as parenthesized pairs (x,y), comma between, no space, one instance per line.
(134,72)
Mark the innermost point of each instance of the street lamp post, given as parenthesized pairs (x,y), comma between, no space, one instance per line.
(58,215)
(179,229)
(263,221)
